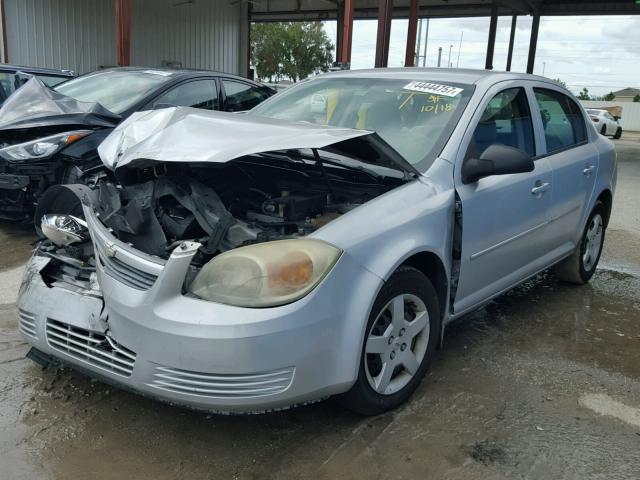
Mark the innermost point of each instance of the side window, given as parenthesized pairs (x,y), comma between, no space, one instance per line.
(506,120)
(563,123)
(242,96)
(197,94)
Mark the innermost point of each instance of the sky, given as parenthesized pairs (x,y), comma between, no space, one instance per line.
(599,53)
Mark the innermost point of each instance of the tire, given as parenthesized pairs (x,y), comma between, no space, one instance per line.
(603,130)
(390,353)
(580,267)
(618,133)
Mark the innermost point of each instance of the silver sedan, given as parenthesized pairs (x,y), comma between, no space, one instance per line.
(319,245)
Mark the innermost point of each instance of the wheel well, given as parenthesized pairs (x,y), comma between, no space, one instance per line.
(607,199)
(431,265)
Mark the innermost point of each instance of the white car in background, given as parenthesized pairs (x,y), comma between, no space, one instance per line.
(605,123)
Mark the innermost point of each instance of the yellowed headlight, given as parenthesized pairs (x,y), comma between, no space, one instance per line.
(265,274)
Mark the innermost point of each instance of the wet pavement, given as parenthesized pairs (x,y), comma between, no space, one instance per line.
(543,383)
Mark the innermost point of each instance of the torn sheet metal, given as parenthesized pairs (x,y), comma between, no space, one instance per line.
(183,134)
(36,105)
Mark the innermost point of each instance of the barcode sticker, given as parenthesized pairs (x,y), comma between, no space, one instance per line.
(434,88)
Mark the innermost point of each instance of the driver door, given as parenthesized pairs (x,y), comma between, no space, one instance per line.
(504,217)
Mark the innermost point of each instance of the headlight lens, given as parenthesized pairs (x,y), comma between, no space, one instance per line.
(265,274)
(64,229)
(42,147)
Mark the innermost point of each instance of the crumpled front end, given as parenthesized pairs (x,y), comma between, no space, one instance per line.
(127,320)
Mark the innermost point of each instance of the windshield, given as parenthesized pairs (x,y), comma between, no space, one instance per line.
(115,90)
(415,117)
(594,112)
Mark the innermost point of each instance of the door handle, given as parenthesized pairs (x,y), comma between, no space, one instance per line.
(540,188)
(588,169)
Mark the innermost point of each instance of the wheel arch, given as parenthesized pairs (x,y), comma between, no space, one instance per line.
(606,197)
(432,266)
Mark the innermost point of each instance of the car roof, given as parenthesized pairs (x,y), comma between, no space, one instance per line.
(180,73)
(37,70)
(453,75)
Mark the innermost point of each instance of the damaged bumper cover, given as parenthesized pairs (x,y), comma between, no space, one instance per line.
(145,335)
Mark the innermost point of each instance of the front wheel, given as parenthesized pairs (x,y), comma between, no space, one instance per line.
(581,265)
(400,339)
(618,133)
(603,130)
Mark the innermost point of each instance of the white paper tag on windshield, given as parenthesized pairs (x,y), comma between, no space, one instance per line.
(435,88)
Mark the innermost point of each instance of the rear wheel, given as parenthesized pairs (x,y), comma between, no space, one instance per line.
(581,265)
(400,339)
(618,133)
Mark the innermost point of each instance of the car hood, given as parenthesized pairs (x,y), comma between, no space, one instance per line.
(35,105)
(183,134)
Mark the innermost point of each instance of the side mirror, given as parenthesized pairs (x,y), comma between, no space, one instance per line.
(497,159)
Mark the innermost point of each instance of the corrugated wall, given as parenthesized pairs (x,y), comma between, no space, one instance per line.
(630,112)
(69,34)
(195,33)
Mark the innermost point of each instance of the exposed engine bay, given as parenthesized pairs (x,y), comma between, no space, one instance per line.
(257,198)
(253,199)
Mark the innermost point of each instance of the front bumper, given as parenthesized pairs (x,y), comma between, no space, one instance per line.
(20,186)
(157,341)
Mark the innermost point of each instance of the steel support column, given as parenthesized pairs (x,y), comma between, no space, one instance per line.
(123,32)
(491,42)
(345,31)
(512,37)
(385,13)
(410,54)
(533,42)
(5,48)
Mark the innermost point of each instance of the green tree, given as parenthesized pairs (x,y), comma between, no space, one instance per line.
(291,50)
(561,82)
(636,98)
(609,96)
(584,94)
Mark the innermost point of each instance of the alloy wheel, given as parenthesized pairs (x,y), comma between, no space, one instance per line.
(397,344)
(593,242)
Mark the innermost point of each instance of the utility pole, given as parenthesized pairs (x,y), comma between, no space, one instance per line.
(449,61)
(417,53)
(439,55)
(544,67)
(426,39)
(459,48)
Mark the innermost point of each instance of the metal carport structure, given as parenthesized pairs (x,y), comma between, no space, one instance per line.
(345,11)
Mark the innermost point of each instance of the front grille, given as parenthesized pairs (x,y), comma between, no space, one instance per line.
(89,347)
(27,323)
(222,385)
(127,274)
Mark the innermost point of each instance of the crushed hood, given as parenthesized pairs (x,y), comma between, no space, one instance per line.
(36,105)
(183,134)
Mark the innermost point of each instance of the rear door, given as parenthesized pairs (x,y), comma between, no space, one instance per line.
(504,217)
(573,161)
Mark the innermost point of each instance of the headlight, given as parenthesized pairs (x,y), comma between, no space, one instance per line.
(42,147)
(265,274)
(64,229)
